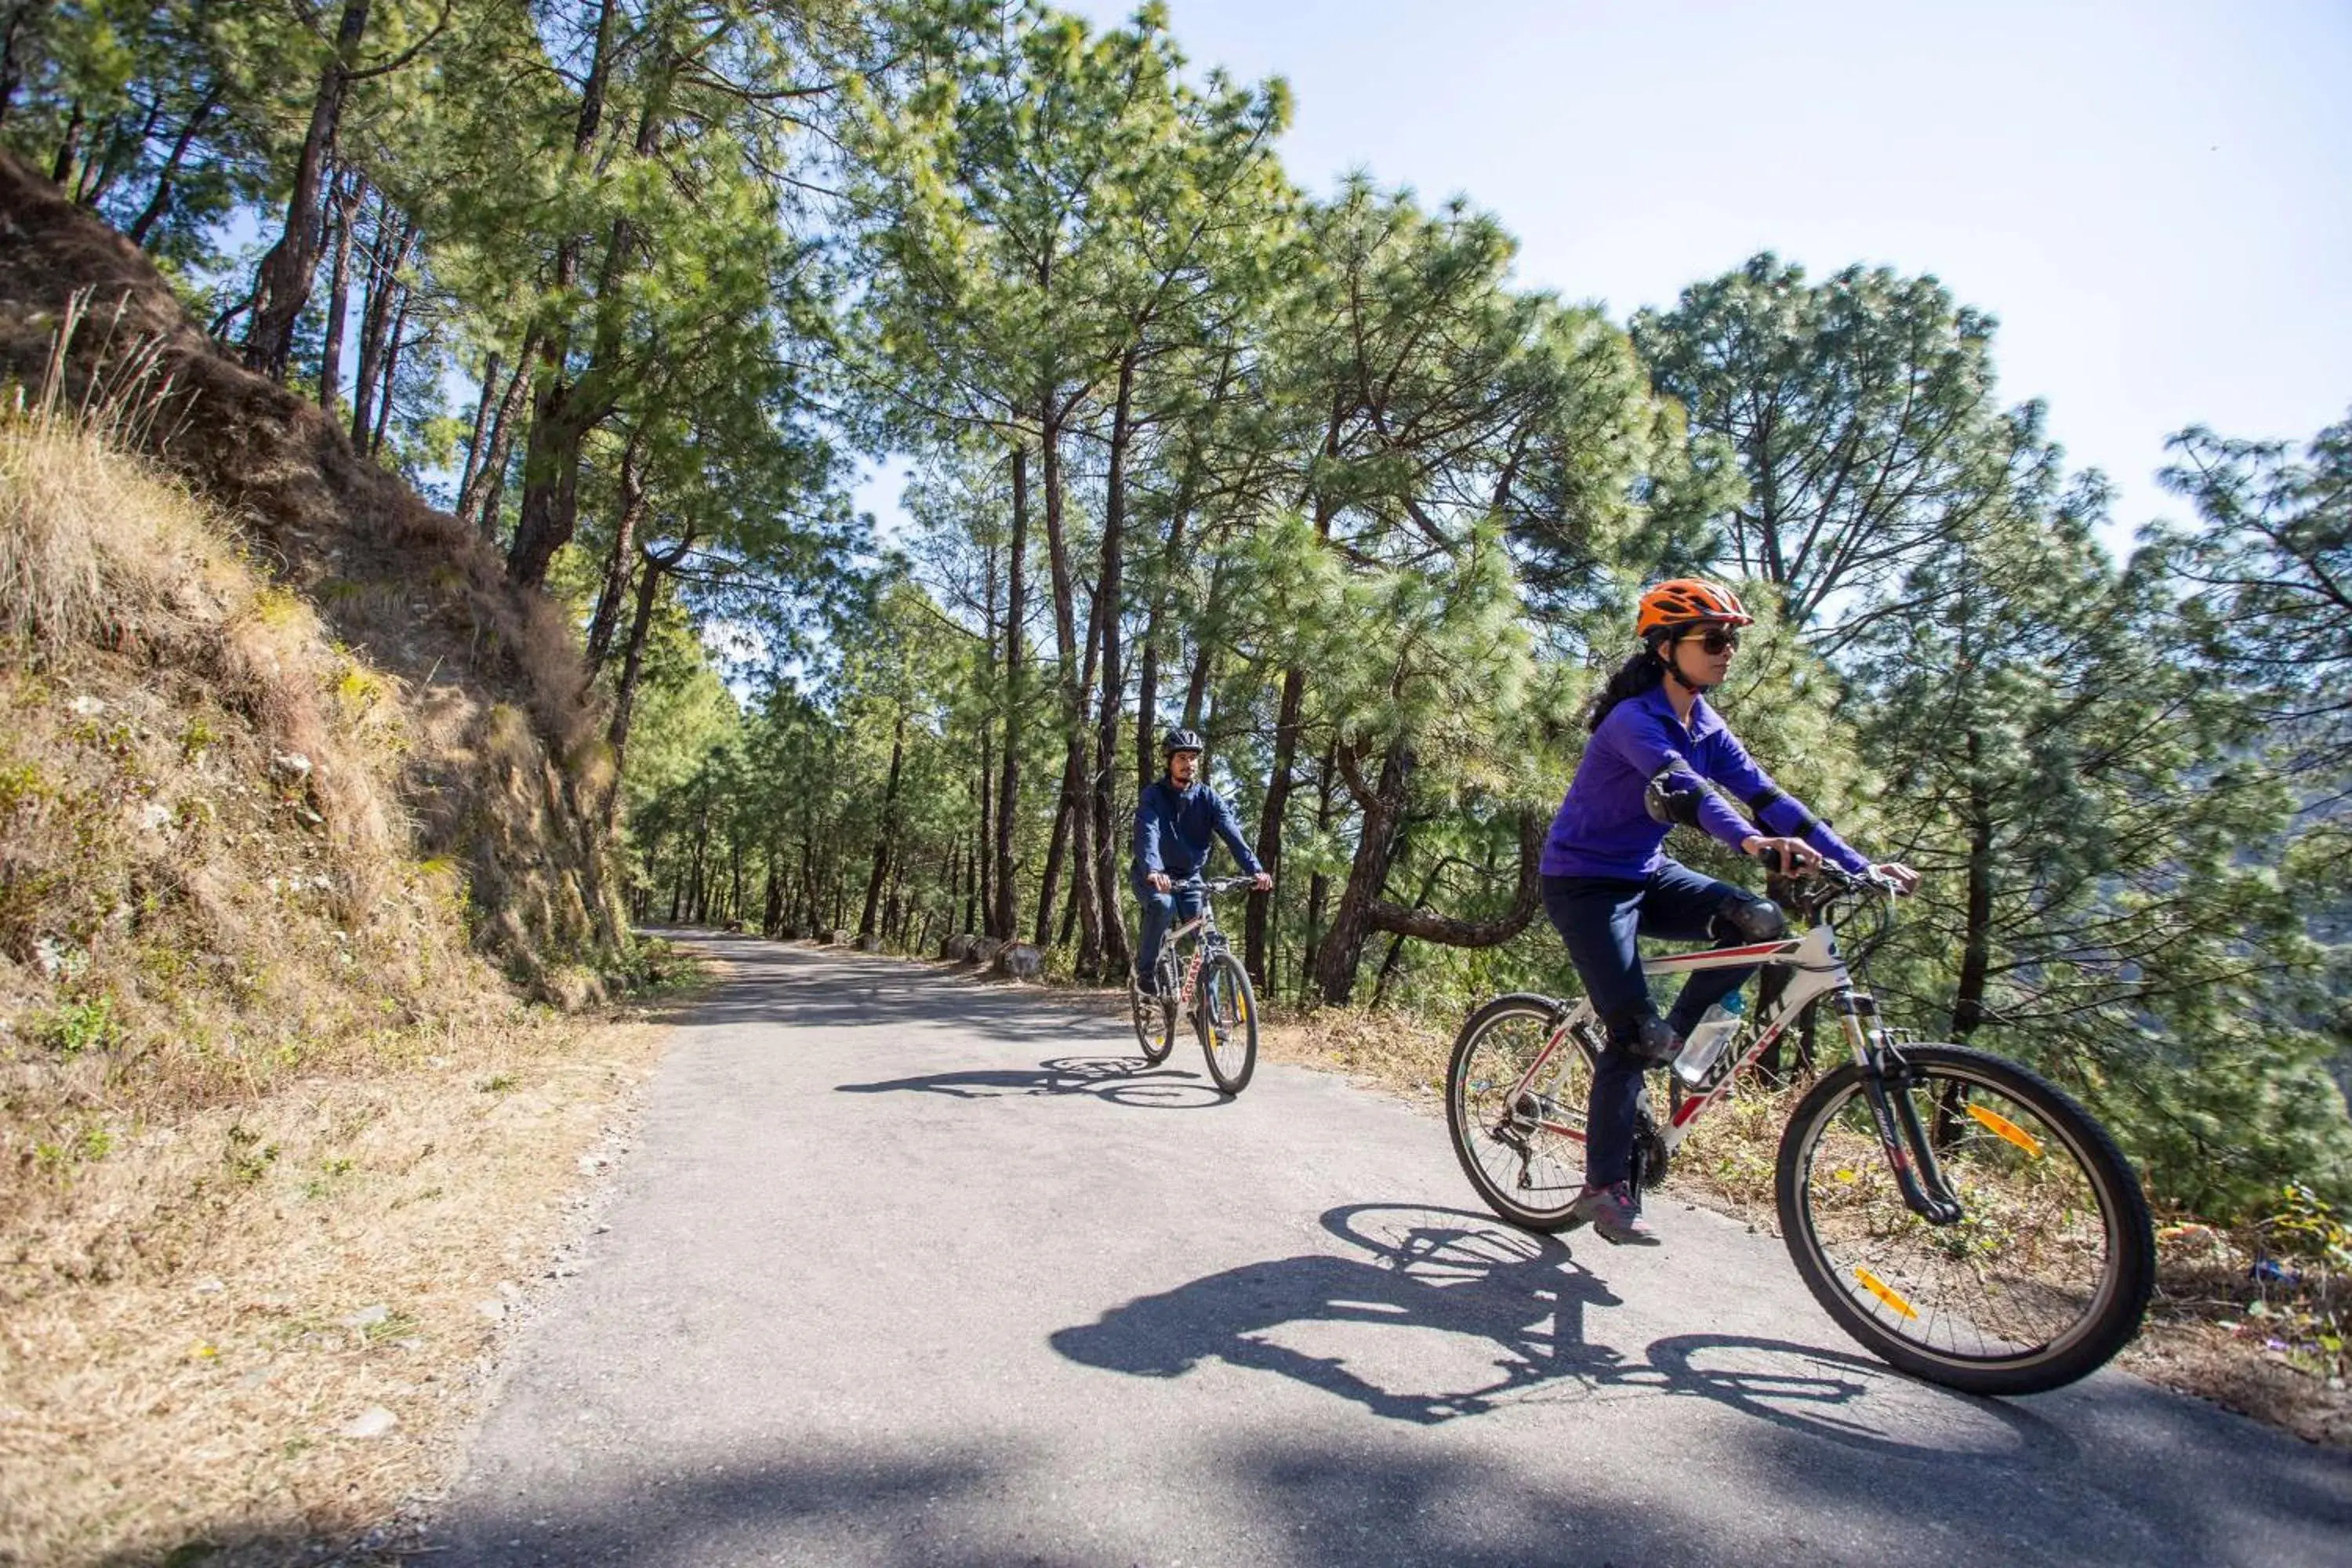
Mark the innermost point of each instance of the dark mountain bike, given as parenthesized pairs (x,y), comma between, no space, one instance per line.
(1958,1214)
(1202,981)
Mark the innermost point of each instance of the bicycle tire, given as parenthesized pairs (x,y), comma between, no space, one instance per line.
(2031,1177)
(1224,1016)
(1154,1021)
(1496,1045)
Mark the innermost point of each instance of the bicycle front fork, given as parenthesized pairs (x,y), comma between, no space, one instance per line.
(1909,1148)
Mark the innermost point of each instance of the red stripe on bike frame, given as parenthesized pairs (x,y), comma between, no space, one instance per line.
(1690,1109)
(1760,949)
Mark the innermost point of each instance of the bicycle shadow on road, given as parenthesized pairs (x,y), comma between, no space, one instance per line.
(1461,1274)
(1120,1080)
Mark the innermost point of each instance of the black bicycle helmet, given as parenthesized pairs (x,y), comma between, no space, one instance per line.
(1180,740)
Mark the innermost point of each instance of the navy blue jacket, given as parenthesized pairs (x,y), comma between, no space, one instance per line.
(1172,828)
(1604,830)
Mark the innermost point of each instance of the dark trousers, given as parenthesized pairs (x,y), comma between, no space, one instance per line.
(1599,918)
(1160,912)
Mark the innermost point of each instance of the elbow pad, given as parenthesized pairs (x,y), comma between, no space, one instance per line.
(1673,795)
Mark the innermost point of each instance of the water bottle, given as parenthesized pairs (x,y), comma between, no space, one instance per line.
(1708,1039)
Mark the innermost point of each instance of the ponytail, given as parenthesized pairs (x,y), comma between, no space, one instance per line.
(1632,677)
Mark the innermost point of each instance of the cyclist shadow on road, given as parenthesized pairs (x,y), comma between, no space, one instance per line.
(1463,1274)
(1120,1080)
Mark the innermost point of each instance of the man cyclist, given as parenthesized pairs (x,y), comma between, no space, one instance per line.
(1174,822)
(1657,755)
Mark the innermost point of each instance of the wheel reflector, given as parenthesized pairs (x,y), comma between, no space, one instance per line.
(2008,1130)
(1885,1292)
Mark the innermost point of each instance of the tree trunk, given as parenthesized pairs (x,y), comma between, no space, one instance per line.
(1334,960)
(561,412)
(376,317)
(1319,886)
(883,840)
(1064,810)
(394,344)
(1269,821)
(347,195)
(1114,958)
(61,168)
(1976,941)
(1147,701)
(1446,931)
(1069,821)
(635,503)
(1008,794)
(1196,686)
(479,505)
(99,178)
(624,694)
(283,284)
(978,891)
(159,202)
(482,404)
(17,42)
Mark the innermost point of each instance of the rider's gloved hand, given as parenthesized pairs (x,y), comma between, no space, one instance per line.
(1904,879)
(1264,883)
(1788,856)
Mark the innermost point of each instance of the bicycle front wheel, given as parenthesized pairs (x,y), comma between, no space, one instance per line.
(2040,1281)
(1515,1102)
(1154,1021)
(1225,1015)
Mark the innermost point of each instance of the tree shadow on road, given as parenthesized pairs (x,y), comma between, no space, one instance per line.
(1123,1080)
(839,988)
(1527,1296)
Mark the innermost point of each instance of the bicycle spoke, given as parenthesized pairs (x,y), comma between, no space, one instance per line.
(2027,1269)
(1519,1133)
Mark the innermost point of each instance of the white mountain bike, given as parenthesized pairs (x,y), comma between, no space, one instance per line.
(1961,1216)
(1202,980)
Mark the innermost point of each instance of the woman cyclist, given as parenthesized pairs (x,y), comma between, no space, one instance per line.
(1656,747)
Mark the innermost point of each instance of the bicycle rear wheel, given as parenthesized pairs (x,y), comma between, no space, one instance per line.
(2043,1279)
(1520,1138)
(1225,1015)
(1154,1021)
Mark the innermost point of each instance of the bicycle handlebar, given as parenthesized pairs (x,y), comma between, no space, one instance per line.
(1811,892)
(1212,886)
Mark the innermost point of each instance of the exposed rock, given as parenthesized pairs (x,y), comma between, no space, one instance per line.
(373,1422)
(1019,961)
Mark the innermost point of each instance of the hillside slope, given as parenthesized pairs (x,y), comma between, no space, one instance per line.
(503,772)
(298,803)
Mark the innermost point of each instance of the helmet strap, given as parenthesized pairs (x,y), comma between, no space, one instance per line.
(1658,650)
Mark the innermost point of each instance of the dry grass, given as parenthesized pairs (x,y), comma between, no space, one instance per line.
(206,875)
(329,1268)
(273,1127)
(2214,1330)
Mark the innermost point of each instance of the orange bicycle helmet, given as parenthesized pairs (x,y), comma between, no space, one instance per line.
(1680,601)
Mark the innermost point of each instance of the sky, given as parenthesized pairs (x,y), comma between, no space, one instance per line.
(2155,199)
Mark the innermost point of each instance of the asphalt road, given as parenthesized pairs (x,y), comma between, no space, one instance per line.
(908,1269)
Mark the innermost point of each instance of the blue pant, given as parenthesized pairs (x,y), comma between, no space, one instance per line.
(1599,918)
(1161,912)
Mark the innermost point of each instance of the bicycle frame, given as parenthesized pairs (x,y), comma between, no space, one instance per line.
(1820,970)
(1205,925)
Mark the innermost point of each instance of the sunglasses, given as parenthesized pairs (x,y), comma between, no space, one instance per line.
(1717,639)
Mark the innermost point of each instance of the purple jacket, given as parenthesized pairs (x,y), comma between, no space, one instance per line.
(1604,829)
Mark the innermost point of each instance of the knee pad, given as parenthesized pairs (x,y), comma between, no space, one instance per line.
(1748,918)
